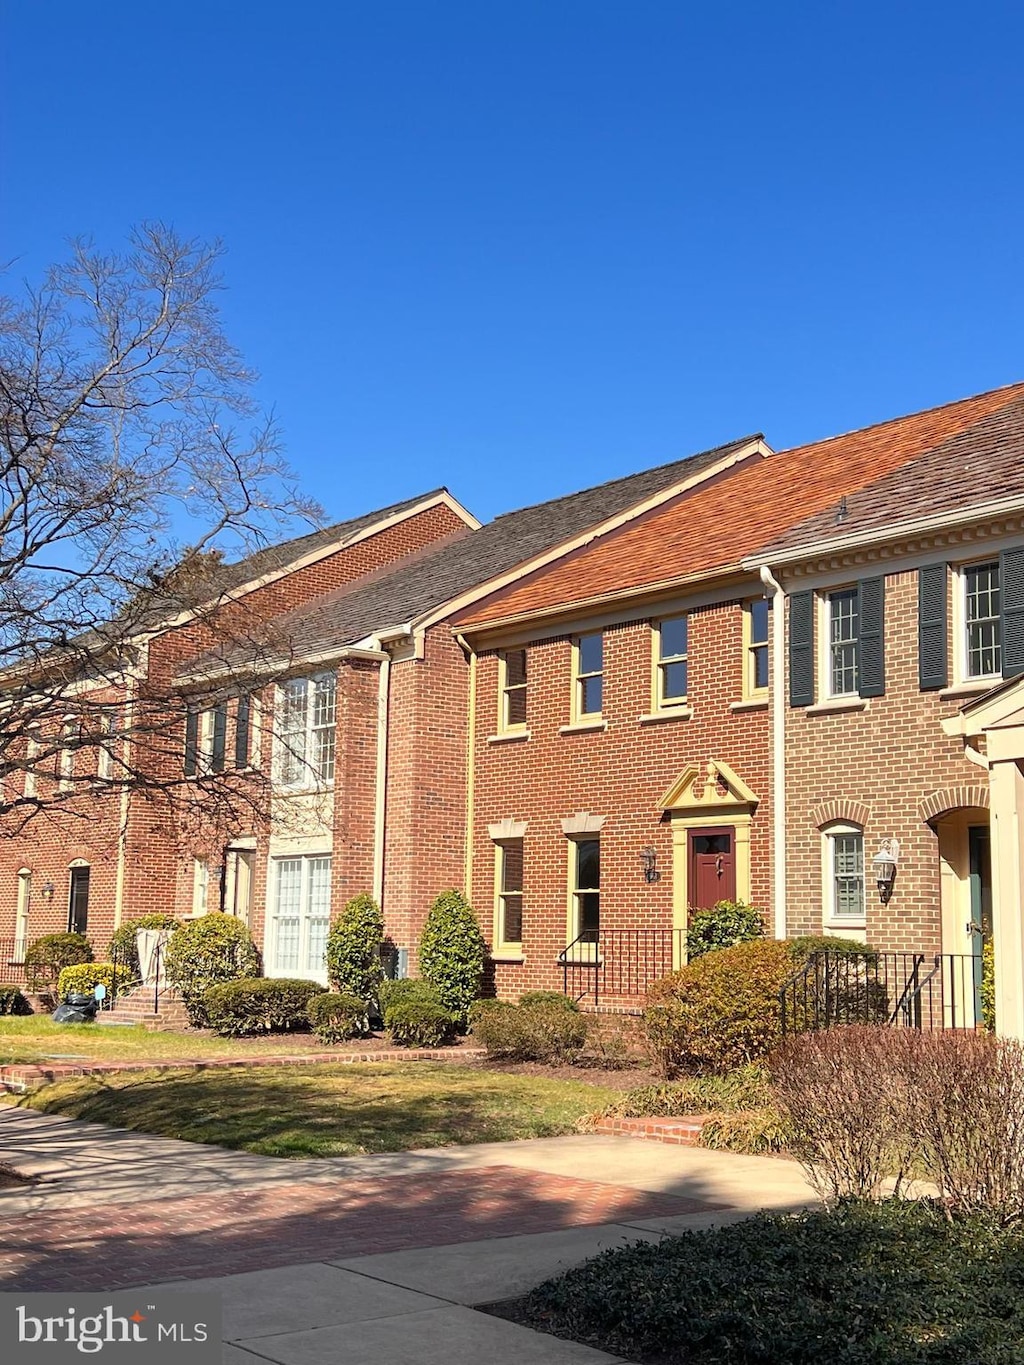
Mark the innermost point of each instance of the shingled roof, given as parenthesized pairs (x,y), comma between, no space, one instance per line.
(427,579)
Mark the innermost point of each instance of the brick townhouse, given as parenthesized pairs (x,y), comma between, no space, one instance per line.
(97,850)
(628,741)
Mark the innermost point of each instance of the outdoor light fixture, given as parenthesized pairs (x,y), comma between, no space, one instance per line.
(46,891)
(649,863)
(884,864)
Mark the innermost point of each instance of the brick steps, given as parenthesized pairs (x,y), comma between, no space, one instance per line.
(20,1077)
(136,1007)
(684,1132)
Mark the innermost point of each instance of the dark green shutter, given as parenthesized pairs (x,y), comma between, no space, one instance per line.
(242,732)
(932,664)
(220,734)
(191,741)
(1011,610)
(871,642)
(801,649)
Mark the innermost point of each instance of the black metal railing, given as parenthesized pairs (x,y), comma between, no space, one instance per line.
(128,976)
(618,963)
(12,961)
(908,990)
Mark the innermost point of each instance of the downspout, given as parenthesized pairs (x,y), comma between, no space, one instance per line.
(381,777)
(470,772)
(778,720)
(124,805)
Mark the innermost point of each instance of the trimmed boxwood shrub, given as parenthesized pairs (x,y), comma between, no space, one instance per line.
(259,1004)
(804,945)
(723,926)
(401,989)
(452,953)
(123,949)
(720,1011)
(84,976)
(205,952)
(335,1018)
(13,1002)
(419,1023)
(48,956)
(353,948)
(564,1002)
(530,1032)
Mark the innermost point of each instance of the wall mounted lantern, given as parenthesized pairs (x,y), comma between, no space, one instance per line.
(649,863)
(884,866)
(46,891)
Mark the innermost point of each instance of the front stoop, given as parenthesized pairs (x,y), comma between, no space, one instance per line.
(166,1011)
(684,1132)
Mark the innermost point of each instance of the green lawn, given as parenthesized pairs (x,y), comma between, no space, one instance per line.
(329,1110)
(35,1038)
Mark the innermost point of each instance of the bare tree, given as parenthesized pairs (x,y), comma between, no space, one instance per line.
(132,458)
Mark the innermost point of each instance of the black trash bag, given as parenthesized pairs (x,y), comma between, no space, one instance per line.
(76,1009)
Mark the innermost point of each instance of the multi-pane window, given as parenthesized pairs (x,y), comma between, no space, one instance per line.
(512,670)
(206,736)
(843,629)
(200,886)
(306,721)
(846,873)
(21,920)
(108,746)
(757,616)
(510,891)
(586,888)
(672,662)
(32,747)
(300,916)
(69,741)
(589,654)
(981,617)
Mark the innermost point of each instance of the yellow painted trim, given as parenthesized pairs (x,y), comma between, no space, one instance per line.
(659,704)
(681,827)
(681,795)
(750,692)
(578,716)
(504,728)
(499,942)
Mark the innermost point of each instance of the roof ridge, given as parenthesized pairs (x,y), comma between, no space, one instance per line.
(920,412)
(624,478)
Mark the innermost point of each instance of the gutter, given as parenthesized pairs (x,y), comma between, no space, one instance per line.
(778,714)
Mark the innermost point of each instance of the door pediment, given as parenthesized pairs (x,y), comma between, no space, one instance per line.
(711,789)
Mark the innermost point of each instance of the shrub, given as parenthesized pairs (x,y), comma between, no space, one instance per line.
(398,991)
(804,945)
(419,1023)
(746,1088)
(48,956)
(123,949)
(335,1018)
(13,1002)
(988,986)
(259,1004)
(541,1032)
(205,952)
(725,925)
(353,948)
(452,953)
(82,978)
(752,1132)
(549,998)
(720,1011)
(898,1283)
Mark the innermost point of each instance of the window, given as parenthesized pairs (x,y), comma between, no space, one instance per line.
(588,658)
(982,641)
(108,745)
(509,855)
(845,850)
(671,679)
(206,736)
(300,916)
(69,740)
(31,758)
(756,616)
(78,899)
(306,730)
(200,886)
(512,686)
(21,920)
(586,888)
(843,627)
(239,874)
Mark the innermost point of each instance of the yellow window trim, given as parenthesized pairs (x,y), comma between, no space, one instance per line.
(578,715)
(500,943)
(750,692)
(660,704)
(503,727)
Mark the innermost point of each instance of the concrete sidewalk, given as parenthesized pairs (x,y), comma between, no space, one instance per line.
(186,1207)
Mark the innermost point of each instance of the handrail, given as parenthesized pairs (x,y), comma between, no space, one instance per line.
(903,1004)
(592,937)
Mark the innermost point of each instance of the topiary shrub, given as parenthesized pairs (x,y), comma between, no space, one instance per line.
(13,1002)
(393,992)
(123,949)
(353,948)
(452,953)
(720,1011)
(335,1018)
(48,956)
(419,1023)
(549,998)
(723,926)
(531,1032)
(259,1004)
(204,952)
(85,976)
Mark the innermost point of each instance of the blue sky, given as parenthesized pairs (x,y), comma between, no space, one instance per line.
(521,248)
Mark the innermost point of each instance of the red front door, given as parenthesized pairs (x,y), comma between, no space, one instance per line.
(712,867)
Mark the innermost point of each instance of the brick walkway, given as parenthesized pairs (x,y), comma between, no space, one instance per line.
(118,1246)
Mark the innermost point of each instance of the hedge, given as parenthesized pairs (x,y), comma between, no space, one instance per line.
(82,978)
(259,1004)
(419,1023)
(205,952)
(48,956)
(452,953)
(533,1031)
(335,1018)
